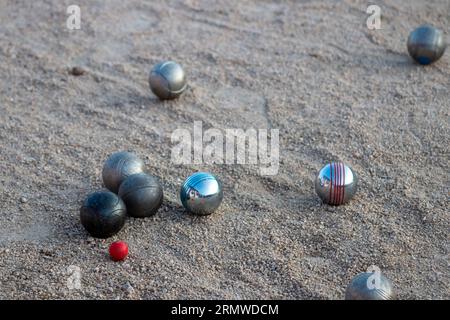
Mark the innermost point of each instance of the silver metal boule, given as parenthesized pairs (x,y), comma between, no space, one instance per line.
(103,214)
(142,194)
(336,183)
(359,289)
(118,167)
(426,44)
(201,193)
(167,80)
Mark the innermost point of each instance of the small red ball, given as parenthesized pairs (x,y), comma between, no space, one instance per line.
(118,250)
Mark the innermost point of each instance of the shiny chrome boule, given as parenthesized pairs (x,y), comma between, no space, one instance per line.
(359,288)
(201,193)
(426,44)
(167,80)
(336,183)
(142,194)
(103,214)
(118,167)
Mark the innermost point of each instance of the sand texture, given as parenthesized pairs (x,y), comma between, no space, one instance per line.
(312,69)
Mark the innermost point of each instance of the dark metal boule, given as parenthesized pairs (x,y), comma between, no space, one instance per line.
(103,214)
(142,194)
(167,80)
(118,167)
(359,289)
(426,44)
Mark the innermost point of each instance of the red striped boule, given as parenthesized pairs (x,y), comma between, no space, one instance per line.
(336,183)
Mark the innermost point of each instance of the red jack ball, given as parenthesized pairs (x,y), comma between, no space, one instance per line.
(118,250)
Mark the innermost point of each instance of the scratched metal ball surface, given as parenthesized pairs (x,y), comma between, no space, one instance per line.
(201,193)
(103,214)
(118,167)
(358,288)
(426,44)
(167,80)
(142,194)
(336,183)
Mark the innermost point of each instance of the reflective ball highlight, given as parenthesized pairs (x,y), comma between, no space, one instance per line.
(336,183)
(426,44)
(118,167)
(167,80)
(142,194)
(103,214)
(201,193)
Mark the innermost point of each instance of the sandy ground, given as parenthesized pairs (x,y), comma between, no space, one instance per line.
(312,69)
